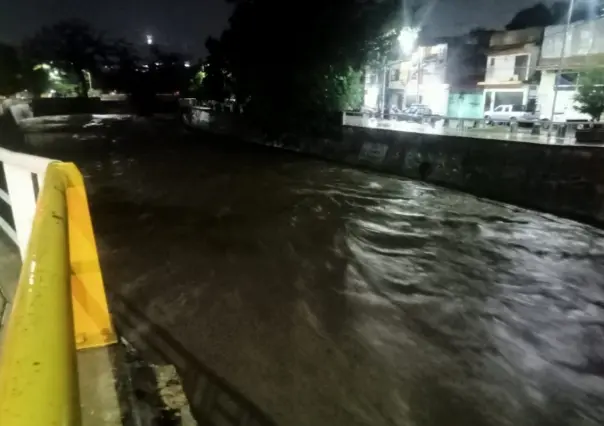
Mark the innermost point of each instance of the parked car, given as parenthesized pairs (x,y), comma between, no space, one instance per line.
(417,113)
(510,114)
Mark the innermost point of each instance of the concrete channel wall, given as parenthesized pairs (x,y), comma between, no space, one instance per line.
(566,180)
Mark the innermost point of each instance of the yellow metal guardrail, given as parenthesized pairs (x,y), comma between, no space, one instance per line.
(60,306)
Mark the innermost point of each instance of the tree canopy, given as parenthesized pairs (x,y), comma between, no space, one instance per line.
(541,15)
(286,60)
(168,73)
(18,73)
(72,46)
(590,93)
(538,15)
(10,70)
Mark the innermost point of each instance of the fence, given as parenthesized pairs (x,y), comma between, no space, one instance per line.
(60,303)
(21,176)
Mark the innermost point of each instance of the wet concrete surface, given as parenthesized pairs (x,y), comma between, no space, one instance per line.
(493,132)
(10,264)
(334,296)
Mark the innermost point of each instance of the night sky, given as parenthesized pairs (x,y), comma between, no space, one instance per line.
(185,24)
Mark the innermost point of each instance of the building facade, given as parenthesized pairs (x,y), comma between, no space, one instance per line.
(374,88)
(440,73)
(511,67)
(419,79)
(584,49)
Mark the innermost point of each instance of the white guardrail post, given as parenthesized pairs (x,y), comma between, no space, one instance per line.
(21,176)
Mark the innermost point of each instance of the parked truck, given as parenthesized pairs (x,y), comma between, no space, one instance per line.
(504,114)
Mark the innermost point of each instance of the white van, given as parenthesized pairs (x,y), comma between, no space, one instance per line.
(565,109)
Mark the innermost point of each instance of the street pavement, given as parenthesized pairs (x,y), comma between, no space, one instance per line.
(490,132)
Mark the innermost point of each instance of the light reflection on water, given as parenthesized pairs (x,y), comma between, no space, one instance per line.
(331,296)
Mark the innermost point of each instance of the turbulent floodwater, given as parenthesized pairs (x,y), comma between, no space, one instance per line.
(333,296)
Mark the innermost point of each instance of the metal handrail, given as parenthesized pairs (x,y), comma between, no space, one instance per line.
(59,303)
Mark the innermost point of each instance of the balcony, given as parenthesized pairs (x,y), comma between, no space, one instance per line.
(494,75)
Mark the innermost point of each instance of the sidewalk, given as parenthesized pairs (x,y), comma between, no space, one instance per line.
(501,133)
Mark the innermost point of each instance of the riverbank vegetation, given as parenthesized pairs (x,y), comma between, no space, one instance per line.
(288,64)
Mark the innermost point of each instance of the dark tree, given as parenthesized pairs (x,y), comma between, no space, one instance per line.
(538,15)
(294,63)
(541,15)
(168,72)
(590,94)
(121,72)
(217,84)
(10,70)
(35,80)
(72,46)
(467,57)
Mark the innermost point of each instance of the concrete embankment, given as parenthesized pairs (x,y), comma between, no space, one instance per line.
(565,180)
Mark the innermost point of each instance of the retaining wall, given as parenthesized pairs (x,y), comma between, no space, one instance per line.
(567,180)
(66,106)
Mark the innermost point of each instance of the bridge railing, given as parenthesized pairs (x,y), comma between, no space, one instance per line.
(21,177)
(60,304)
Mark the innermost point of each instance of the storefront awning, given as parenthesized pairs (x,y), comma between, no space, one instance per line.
(502,85)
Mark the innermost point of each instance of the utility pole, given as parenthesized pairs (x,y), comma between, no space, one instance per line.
(383,106)
(562,53)
(419,71)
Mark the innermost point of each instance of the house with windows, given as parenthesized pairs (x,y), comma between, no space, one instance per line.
(419,79)
(373,86)
(511,77)
(441,74)
(584,49)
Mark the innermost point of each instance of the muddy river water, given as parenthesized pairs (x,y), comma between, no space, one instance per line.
(339,297)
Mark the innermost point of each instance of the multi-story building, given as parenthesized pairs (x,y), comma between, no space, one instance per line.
(422,79)
(374,88)
(441,74)
(584,49)
(510,69)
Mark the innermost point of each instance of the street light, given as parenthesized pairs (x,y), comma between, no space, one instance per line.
(569,15)
(407,38)
(149,39)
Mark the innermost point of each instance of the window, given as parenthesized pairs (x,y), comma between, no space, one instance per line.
(491,62)
(567,80)
(518,108)
(509,98)
(499,109)
(395,75)
(521,66)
